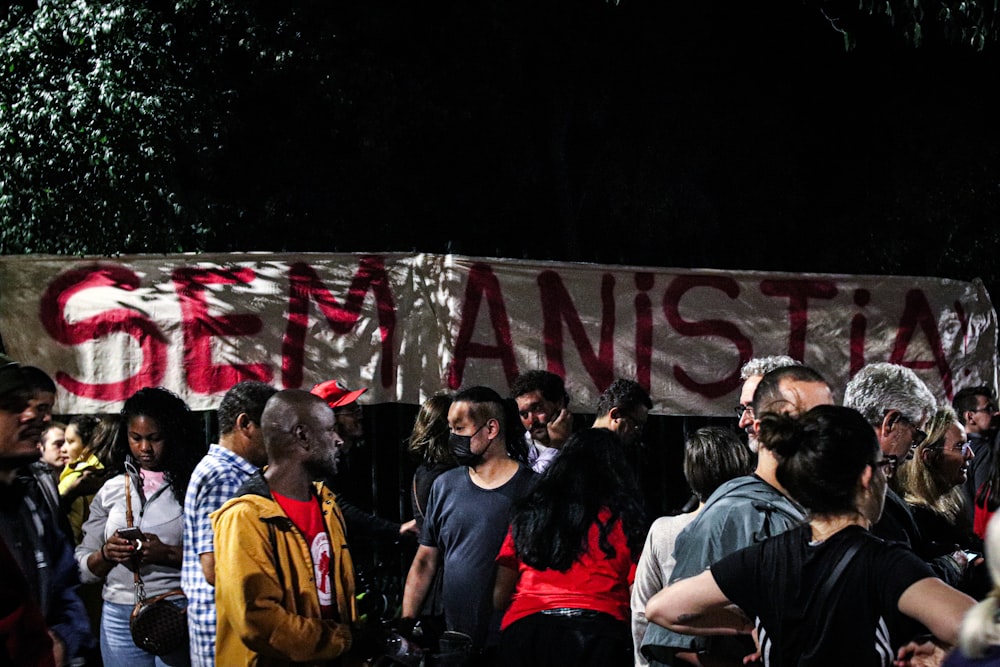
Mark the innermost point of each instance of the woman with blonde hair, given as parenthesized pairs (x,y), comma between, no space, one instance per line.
(931,484)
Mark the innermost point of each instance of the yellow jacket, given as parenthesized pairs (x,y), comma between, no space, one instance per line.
(79,510)
(265,595)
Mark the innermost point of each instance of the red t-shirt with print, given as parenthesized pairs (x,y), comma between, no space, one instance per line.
(307,516)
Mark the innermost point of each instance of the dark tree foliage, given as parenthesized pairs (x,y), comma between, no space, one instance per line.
(124,124)
(975,23)
(708,134)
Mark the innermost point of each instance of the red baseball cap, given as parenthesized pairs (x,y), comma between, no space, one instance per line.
(336,394)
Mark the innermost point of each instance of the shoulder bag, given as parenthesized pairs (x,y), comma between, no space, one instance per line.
(158,626)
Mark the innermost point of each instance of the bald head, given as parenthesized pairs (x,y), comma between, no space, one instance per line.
(299,426)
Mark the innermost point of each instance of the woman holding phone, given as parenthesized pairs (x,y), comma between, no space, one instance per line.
(158,446)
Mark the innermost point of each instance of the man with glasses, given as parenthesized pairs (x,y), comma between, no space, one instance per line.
(897,403)
(751,374)
(977,411)
(741,512)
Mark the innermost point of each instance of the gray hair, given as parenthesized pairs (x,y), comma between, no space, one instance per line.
(764,365)
(882,386)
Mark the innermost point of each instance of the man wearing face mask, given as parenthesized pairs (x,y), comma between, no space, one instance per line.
(467,517)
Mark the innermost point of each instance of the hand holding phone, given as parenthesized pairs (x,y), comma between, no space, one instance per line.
(131,534)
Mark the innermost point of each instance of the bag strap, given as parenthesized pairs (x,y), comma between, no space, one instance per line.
(416,499)
(140,590)
(838,570)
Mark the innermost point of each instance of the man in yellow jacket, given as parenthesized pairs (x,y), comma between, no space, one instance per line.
(284,583)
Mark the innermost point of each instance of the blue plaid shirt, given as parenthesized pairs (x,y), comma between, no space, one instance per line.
(215,480)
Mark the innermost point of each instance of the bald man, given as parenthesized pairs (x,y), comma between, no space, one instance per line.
(284,576)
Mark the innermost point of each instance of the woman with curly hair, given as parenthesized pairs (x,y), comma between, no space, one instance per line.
(569,558)
(158,445)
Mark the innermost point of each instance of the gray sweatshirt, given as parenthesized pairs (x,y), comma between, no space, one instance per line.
(160,515)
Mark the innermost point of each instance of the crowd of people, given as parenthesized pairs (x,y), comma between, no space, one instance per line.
(817,534)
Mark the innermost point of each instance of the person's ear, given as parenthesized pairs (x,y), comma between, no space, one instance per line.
(866,477)
(927,455)
(492,427)
(243,422)
(614,413)
(889,421)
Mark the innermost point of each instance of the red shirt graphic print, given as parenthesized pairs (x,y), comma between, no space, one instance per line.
(308,518)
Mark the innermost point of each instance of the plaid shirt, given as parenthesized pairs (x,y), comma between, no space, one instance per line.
(215,479)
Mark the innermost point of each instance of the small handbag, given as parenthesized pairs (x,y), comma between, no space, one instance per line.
(157,624)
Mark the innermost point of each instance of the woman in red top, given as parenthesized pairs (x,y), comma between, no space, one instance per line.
(569,559)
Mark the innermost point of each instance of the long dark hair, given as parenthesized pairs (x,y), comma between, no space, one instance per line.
(551,523)
(184,443)
(428,443)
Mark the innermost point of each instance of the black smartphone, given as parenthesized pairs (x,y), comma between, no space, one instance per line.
(130,534)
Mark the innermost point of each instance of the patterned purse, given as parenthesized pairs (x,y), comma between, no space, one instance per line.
(157,624)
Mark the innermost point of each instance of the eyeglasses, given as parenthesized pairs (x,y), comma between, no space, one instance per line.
(887,465)
(740,409)
(354,412)
(918,435)
(964,447)
(989,407)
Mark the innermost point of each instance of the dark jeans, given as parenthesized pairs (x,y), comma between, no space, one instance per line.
(552,641)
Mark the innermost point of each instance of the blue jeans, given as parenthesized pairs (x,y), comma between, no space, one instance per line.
(118,649)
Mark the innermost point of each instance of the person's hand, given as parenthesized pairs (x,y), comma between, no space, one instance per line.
(88,483)
(58,649)
(409,528)
(756,655)
(560,428)
(152,551)
(960,559)
(118,550)
(927,653)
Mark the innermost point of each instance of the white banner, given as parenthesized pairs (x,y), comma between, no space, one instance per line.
(409,325)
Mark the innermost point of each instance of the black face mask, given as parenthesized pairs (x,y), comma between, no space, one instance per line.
(461,448)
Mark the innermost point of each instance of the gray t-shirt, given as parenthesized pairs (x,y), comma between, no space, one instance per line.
(468,524)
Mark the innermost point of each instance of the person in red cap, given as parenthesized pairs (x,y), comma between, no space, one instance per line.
(350,427)
(346,410)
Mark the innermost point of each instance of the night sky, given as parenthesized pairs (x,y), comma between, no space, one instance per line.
(724,135)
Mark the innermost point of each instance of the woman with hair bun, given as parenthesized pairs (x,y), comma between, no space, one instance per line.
(827,592)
